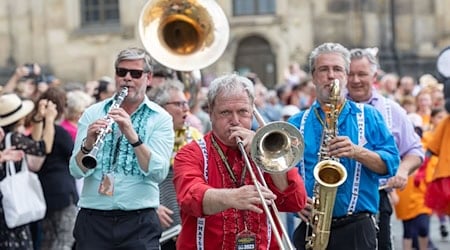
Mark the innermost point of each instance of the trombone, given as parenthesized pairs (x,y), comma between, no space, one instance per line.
(276,148)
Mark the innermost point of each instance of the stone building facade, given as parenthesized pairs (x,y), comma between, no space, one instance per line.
(409,34)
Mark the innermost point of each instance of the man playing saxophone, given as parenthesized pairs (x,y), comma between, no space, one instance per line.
(120,192)
(360,141)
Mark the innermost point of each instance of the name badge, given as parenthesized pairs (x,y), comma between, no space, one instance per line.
(246,240)
(107,184)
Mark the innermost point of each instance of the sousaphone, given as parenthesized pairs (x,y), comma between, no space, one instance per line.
(184,35)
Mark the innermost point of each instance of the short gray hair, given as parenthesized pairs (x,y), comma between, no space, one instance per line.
(327,48)
(77,101)
(230,84)
(135,54)
(161,94)
(358,53)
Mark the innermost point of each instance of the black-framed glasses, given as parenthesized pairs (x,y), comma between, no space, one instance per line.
(179,104)
(134,73)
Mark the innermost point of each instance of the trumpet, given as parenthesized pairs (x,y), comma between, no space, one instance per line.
(276,148)
(90,160)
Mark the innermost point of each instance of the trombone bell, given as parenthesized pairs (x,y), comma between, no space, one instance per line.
(184,35)
(277,147)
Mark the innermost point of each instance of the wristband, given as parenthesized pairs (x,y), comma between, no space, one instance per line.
(138,143)
(84,150)
(33,119)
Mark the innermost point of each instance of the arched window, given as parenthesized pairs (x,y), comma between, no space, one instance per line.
(254,54)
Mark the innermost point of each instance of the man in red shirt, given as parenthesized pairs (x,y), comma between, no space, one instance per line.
(220,205)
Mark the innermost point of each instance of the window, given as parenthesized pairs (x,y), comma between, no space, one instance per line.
(99,12)
(253,7)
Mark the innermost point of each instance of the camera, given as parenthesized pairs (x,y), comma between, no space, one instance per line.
(31,72)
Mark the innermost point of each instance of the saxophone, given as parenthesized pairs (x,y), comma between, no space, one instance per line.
(329,174)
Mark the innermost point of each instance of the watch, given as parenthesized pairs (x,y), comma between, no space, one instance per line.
(83,147)
(138,143)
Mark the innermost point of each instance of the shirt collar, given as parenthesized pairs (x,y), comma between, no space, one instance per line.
(372,100)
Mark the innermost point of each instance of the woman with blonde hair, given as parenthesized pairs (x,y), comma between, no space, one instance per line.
(77,101)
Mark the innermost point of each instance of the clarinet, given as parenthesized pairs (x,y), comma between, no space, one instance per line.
(90,160)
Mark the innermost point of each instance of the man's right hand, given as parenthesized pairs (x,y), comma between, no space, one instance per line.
(247,198)
(164,215)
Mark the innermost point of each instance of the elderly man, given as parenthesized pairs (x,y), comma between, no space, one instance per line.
(363,74)
(353,135)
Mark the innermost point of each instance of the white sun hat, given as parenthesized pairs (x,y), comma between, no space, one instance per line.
(12,108)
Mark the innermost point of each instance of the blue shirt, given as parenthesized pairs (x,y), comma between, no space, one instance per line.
(377,139)
(133,188)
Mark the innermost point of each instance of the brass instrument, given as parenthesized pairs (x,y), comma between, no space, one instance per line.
(276,148)
(329,174)
(90,160)
(184,35)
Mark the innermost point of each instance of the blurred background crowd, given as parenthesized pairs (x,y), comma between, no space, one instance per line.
(423,100)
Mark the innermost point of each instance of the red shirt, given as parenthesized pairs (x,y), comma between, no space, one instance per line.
(220,229)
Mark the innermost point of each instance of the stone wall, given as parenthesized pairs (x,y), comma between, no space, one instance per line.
(48,32)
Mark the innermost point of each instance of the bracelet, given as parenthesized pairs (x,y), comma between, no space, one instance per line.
(33,119)
(138,143)
(84,150)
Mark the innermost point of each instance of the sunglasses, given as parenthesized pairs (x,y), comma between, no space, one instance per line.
(134,73)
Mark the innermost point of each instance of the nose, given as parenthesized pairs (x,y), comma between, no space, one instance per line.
(331,74)
(235,118)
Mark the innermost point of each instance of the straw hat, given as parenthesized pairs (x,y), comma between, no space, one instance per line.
(12,108)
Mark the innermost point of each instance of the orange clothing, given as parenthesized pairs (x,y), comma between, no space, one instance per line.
(411,201)
(433,161)
(426,122)
(439,146)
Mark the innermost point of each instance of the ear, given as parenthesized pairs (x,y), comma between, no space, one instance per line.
(149,77)
(375,76)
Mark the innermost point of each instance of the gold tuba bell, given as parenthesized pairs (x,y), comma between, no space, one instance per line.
(184,35)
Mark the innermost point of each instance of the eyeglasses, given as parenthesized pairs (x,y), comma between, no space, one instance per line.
(179,104)
(135,73)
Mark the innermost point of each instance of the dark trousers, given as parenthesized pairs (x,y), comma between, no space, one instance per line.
(356,232)
(169,245)
(117,229)
(384,222)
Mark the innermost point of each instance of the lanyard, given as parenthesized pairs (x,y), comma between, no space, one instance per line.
(227,165)
(114,153)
